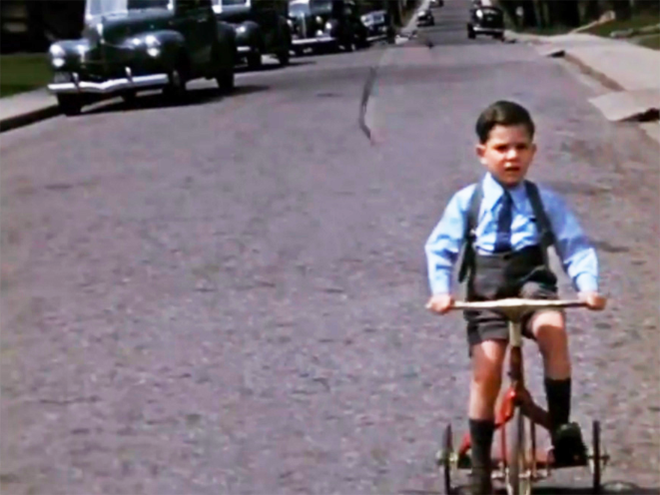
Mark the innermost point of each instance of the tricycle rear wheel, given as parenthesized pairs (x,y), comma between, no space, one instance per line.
(448,446)
(596,457)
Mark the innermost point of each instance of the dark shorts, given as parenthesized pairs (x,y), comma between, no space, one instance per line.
(488,325)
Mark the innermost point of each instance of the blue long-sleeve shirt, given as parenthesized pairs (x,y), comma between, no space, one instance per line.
(446,240)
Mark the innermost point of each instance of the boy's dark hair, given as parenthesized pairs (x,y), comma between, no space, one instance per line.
(506,113)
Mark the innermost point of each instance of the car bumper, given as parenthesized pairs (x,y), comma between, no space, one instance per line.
(319,40)
(109,86)
(488,30)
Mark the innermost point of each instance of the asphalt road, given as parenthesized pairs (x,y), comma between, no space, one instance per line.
(227,296)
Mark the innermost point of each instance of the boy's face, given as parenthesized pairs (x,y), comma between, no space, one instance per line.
(508,153)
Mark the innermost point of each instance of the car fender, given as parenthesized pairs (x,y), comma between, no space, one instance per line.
(248,33)
(171,43)
(226,44)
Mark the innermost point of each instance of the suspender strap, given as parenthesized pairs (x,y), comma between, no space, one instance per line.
(470,234)
(546,237)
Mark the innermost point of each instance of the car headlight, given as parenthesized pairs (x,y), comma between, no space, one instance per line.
(241,29)
(153,45)
(56,51)
(328,26)
(319,19)
(57,55)
(480,14)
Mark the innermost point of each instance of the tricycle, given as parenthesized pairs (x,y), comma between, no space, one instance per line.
(518,463)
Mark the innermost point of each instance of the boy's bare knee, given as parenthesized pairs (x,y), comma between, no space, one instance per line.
(487,360)
(548,326)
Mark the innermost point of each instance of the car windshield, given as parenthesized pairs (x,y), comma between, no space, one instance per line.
(94,8)
(232,3)
(313,7)
(321,6)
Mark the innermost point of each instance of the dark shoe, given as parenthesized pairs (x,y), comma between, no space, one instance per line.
(480,482)
(568,447)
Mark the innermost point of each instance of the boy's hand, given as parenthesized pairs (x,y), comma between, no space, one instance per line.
(593,300)
(440,303)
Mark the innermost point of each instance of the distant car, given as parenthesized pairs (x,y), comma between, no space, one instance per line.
(425,18)
(261,28)
(486,20)
(133,45)
(437,3)
(332,24)
(379,26)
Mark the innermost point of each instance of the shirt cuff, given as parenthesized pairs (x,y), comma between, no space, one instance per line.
(441,284)
(585,282)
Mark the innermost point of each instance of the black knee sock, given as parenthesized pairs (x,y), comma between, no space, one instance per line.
(558,393)
(481,434)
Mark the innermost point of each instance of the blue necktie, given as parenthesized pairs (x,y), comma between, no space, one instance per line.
(503,239)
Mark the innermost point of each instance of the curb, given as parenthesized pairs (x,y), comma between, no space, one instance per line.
(591,72)
(27,118)
(26,108)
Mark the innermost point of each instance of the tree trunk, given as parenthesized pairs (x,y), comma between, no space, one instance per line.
(622,8)
(592,10)
(543,19)
(529,15)
(509,7)
(551,9)
(568,13)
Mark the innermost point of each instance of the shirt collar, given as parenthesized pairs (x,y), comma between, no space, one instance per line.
(493,192)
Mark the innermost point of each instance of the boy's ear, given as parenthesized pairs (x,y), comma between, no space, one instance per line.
(481,149)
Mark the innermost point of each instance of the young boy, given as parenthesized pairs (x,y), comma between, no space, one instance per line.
(508,261)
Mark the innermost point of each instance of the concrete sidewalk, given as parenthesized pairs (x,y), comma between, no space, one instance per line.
(26,108)
(630,72)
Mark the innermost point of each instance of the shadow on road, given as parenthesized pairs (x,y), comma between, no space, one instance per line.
(158,100)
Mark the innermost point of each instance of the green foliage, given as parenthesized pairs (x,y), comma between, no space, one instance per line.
(20,73)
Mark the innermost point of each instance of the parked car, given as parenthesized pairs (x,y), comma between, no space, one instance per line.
(487,20)
(261,28)
(379,26)
(133,45)
(331,24)
(425,18)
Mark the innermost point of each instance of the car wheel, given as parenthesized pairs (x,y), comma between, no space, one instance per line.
(70,105)
(226,81)
(470,32)
(254,60)
(284,56)
(176,89)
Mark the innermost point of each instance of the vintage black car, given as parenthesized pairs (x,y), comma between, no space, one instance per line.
(261,28)
(425,18)
(379,26)
(329,24)
(486,20)
(133,45)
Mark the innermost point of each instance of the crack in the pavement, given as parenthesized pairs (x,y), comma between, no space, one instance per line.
(364,102)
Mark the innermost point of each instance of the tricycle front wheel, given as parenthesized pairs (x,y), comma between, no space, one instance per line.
(518,481)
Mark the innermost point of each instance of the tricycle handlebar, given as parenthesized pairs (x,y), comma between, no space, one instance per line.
(517,303)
